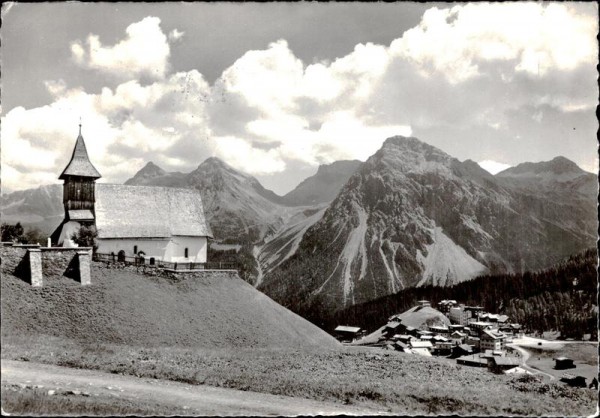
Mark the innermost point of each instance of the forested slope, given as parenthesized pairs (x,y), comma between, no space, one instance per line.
(540,301)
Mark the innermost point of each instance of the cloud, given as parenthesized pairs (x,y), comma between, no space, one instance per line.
(175,35)
(464,80)
(144,51)
(124,128)
(493,167)
(534,37)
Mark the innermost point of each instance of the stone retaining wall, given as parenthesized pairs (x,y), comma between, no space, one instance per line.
(36,265)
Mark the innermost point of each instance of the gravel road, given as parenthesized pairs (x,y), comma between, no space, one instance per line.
(205,400)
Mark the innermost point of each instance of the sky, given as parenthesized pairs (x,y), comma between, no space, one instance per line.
(276,89)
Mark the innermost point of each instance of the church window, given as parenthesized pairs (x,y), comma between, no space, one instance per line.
(186,253)
(135,249)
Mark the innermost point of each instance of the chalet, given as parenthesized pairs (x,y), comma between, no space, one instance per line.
(562,363)
(155,223)
(472,360)
(478,326)
(391,329)
(421,344)
(423,348)
(491,340)
(459,315)
(461,350)
(445,305)
(458,337)
(346,334)
(500,364)
(439,329)
(494,318)
(400,346)
(572,380)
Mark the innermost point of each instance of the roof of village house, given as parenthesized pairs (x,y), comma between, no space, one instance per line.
(492,335)
(149,212)
(507,361)
(465,347)
(472,358)
(344,328)
(421,351)
(80,164)
(421,344)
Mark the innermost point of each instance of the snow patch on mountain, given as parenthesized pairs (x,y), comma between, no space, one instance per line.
(447,261)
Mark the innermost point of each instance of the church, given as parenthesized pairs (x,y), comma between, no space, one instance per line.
(160,223)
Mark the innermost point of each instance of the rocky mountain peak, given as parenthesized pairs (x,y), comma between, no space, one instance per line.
(557,167)
(149,171)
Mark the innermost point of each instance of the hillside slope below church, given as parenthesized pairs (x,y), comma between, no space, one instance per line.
(217,310)
(324,185)
(411,216)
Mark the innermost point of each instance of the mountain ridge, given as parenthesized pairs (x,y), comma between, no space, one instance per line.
(412,215)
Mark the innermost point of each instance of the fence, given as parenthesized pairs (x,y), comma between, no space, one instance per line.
(151,262)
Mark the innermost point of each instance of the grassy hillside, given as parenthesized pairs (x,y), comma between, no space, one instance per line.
(219,331)
(123,307)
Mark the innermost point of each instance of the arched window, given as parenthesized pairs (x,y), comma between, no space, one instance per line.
(186,253)
(135,249)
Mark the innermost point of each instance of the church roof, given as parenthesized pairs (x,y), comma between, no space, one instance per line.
(80,164)
(148,212)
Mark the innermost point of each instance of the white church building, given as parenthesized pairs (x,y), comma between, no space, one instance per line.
(159,223)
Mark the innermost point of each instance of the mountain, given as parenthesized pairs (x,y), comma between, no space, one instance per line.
(412,216)
(324,185)
(41,207)
(559,177)
(237,206)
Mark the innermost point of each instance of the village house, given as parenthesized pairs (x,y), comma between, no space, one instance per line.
(445,305)
(459,315)
(346,334)
(562,363)
(500,364)
(423,348)
(491,340)
(151,223)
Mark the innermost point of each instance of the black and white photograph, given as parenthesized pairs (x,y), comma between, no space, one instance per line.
(299,208)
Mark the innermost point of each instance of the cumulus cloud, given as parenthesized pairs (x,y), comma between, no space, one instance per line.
(535,37)
(474,80)
(144,51)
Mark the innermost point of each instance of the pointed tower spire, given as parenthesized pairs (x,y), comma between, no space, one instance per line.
(80,164)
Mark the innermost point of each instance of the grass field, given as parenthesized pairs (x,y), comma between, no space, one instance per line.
(392,381)
(34,401)
(219,331)
(122,307)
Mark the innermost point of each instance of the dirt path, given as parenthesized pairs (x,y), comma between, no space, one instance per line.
(204,399)
(526,354)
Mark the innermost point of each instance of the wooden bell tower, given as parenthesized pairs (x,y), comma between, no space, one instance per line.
(80,183)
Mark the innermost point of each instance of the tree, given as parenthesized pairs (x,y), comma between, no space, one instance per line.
(86,236)
(35,236)
(12,233)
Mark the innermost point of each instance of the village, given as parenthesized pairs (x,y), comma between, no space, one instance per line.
(457,332)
